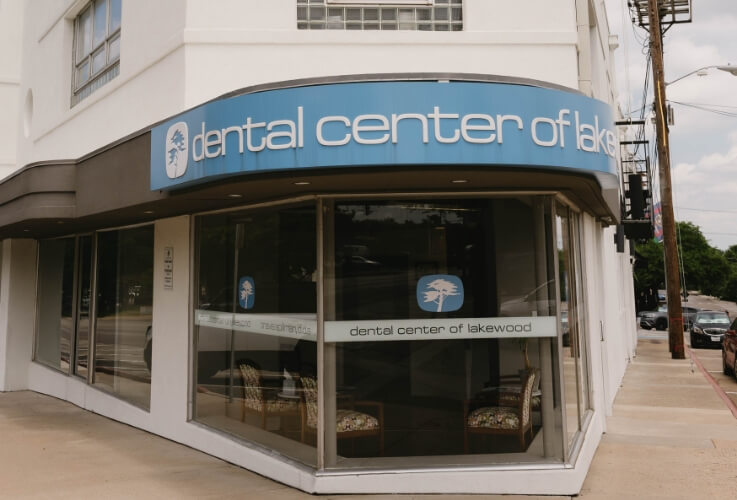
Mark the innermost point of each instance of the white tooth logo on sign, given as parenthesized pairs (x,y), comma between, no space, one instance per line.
(177,150)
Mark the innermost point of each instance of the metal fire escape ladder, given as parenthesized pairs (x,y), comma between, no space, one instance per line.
(637,186)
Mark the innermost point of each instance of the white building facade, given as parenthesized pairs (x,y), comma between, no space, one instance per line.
(353,246)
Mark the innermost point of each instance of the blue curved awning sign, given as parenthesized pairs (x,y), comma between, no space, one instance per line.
(344,125)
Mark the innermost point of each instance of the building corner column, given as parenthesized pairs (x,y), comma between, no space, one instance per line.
(17,312)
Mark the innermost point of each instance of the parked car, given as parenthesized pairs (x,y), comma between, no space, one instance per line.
(659,319)
(729,348)
(708,328)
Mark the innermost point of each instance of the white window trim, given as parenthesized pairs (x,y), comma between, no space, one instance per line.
(108,71)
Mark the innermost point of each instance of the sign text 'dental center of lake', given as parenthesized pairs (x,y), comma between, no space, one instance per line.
(346,125)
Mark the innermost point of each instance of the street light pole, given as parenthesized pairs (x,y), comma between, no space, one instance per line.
(672,277)
(702,71)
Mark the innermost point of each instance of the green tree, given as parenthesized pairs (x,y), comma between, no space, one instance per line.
(649,271)
(705,268)
(731,255)
(730,289)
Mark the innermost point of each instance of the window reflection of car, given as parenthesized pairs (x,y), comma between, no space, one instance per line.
(659,319)
(708,328)
(359,265)
(220,301)
(360,260)
(729,350)
(524,305)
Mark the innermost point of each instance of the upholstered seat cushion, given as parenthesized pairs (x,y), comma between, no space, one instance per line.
(351,420)
(494,417)
(272,405)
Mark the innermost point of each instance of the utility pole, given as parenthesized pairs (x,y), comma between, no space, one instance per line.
(672,275)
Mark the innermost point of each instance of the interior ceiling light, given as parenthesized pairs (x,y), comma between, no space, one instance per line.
(148,212)
(302,183)
(235,196)
(459,181)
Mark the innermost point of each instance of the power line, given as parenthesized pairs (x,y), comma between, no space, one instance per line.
(707,105)
(708,210)
(708,110)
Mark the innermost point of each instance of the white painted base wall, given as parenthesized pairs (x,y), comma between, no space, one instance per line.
(533,480)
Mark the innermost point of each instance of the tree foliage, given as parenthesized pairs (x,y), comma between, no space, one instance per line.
(705,268)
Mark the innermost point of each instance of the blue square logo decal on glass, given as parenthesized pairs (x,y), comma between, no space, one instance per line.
(246,292)
(440,293)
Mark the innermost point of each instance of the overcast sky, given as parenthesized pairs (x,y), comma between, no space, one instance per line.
(703,143)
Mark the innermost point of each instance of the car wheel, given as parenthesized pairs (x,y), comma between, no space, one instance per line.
(694,342)
(661,324)
(725,369)
(147,355)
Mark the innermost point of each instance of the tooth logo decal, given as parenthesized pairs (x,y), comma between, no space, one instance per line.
(177,150)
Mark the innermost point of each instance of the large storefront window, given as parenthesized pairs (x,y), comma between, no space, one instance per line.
(124,310)
(442,321)
(123,301)
(55,300)
(256,327)
(446,313)
(575,366)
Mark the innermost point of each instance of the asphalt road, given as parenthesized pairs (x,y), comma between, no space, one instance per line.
(710,358)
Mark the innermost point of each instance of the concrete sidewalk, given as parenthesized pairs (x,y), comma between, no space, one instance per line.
(670,436)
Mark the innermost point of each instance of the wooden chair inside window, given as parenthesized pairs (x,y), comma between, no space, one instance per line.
(350,423)
(506,420)
(260,400)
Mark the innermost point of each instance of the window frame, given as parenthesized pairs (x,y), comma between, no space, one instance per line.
(72,371)
(110,68)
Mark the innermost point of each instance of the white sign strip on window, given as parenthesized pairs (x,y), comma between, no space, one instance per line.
(437,329)
(276,325)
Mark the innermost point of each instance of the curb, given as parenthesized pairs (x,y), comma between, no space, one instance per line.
(720,392)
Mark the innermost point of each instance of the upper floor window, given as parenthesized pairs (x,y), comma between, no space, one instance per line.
(422,15)
(96,47)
